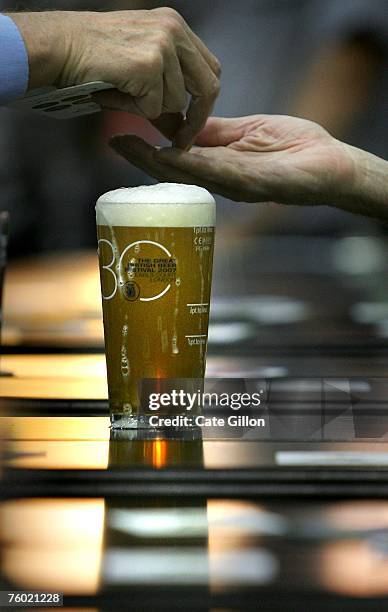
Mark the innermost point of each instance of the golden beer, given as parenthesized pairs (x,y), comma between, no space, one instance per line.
(155,246)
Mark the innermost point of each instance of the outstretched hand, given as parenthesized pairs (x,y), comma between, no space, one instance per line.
(254,159)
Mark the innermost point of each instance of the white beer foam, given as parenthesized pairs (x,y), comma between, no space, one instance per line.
(161,205)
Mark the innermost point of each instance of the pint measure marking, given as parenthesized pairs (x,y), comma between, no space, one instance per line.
(196,336)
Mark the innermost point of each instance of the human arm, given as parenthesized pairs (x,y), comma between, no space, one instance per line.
(277,158)
(151,57)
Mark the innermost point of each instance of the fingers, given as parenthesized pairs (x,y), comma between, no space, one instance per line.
(208,166)
(168,63)
(203,85)
(196,41)
(142,155)
(211,59)
(208,169)
(201,72)
(150,105)
(204,88)
(206,54)
(168,124)
(219,131)
(116,100)
(174,93)
(169,96)
(199,110)
(187,67)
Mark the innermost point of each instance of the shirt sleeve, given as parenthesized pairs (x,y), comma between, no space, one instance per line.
(13,62)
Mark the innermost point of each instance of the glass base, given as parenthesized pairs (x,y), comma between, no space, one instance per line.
(170,434)
(138,427)
(123,421)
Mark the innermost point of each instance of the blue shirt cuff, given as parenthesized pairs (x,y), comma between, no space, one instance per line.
(13,62)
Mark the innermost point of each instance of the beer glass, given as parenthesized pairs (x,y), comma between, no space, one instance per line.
(155,246)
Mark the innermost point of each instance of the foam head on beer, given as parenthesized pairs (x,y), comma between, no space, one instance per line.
(161,205)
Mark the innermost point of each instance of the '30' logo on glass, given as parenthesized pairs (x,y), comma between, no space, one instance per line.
(109,267)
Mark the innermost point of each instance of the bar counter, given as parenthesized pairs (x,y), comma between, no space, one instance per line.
(296,517)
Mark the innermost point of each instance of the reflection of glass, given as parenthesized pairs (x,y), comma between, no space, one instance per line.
(128,449)
(236,553)
(53,544)
(184,542)
(157,541)
(357,567)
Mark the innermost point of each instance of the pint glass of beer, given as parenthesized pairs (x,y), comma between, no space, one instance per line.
(155,246)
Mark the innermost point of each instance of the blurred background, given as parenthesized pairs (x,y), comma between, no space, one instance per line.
(297,292)
(284,276)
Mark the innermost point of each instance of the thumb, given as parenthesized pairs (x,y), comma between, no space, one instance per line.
(220,131)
